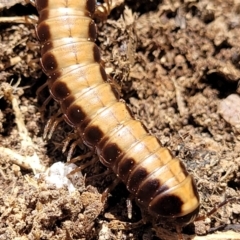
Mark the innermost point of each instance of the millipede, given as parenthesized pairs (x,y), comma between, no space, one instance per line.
(78,81)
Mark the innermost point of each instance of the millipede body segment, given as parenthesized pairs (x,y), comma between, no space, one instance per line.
(78,81)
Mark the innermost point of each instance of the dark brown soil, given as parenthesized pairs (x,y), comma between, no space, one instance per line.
(177,64)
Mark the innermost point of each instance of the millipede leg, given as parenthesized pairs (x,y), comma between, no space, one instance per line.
(45,103)
(104,9)
(66,142)
(51,125)
(179,233)
(109,5)
(34,62)
(116,87)
(30,19)
(79,158)
(109,189)
(105,173)
(72,147)
(41,88)
(32,2)
(80,168)
(54,126)
(212,211)
(120,225)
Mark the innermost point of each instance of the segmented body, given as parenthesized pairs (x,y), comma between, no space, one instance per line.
(77,80)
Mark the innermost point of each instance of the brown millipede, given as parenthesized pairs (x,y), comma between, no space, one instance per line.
(78,82)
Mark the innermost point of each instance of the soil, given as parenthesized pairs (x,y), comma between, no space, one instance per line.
(177,66)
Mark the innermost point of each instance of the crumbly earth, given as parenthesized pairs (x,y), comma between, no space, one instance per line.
(174,63)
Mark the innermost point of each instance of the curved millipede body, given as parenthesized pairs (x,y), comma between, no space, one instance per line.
(77,80)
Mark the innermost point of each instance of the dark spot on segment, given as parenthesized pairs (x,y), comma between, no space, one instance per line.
(160,144)
(96,53)
(103,73)
(162,189)
(53,77)
(183,168)
(60,91)
(187,219)
(167,205)
(46,47)
(92,135)
(145,128)
(44,14)
(84,124)
(49,62)
(129,111)
(92,31)
(110,152)
(66,103)
(91,5)
(136,178)
(75,115)
(147,191)
(103,142)
(43,32)
(41,4)
(124,168)
(115,91)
